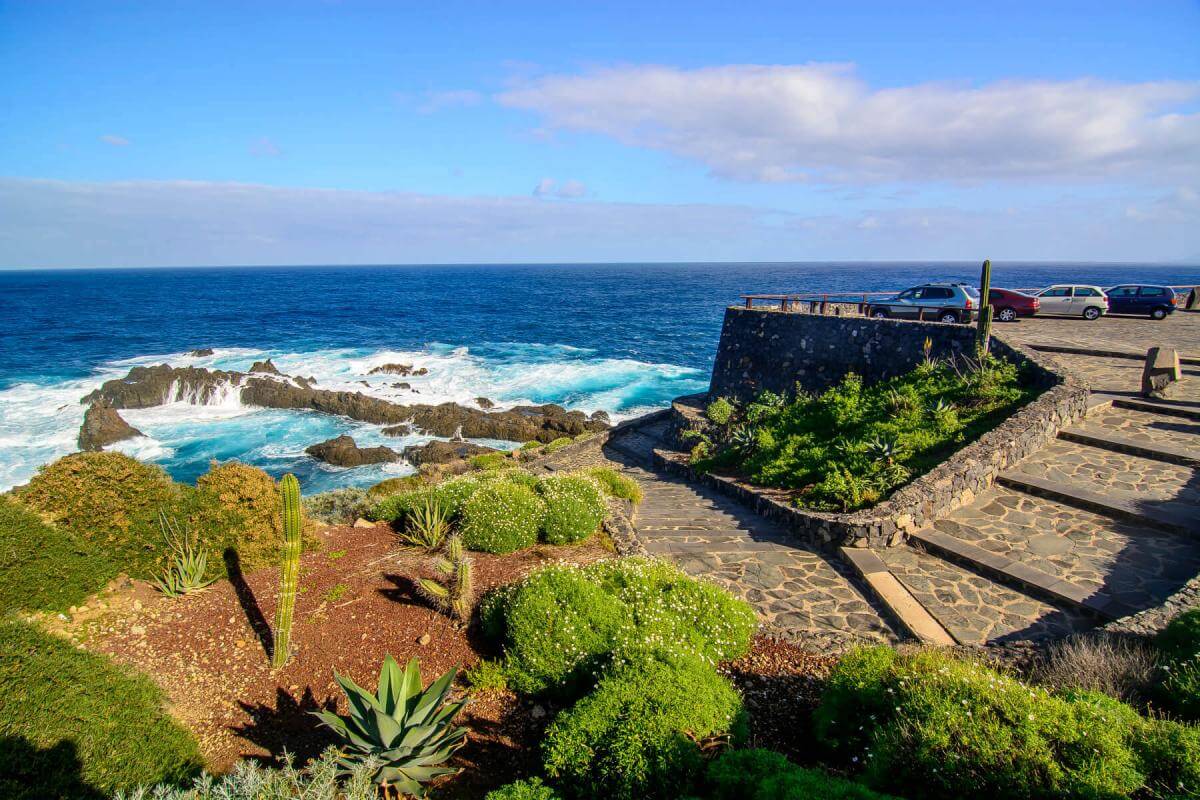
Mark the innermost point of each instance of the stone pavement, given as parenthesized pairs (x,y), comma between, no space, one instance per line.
(1098,525)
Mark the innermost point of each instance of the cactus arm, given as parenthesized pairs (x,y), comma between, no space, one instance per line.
(289,571)
(983,332)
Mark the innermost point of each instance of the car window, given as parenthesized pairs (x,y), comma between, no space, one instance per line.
(1086,291)
(994,295)
(1057,291)
(1123,291)
(938,293)
(907,294)
(972,291)
(1152,291)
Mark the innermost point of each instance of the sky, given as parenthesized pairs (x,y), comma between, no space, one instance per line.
(244,133)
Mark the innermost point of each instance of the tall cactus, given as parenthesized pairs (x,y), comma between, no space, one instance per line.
(289,577)
(983,333)
(452,590)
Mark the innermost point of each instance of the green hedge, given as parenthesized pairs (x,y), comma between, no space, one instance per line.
(955,728)
(636,736)
(74,725)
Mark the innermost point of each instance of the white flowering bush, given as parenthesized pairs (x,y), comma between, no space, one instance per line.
(450,495)
(957,728)
(574,508)
(637,736)
(501,516)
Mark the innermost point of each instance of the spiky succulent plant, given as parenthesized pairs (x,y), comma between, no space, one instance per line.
(405,729)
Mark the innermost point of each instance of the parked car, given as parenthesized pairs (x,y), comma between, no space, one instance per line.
(1008,304)
(1136,298)
(941,302)
(1073,300)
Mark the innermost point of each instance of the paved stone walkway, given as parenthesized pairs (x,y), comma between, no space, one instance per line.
(1085,532)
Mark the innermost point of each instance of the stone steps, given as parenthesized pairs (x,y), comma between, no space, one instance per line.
(906,609)
(1165,407)
(1107,502)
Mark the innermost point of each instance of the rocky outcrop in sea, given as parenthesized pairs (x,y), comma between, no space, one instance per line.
(439,452)
(102,426)
(145,387)
(343,451)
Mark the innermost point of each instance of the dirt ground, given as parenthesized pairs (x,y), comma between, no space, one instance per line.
(210,652)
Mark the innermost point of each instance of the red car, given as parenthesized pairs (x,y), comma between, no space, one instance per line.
(1007,304)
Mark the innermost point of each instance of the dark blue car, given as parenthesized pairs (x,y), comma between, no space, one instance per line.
(1135,298)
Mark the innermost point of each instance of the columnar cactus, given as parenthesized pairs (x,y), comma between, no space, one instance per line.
(452,589)
(983,333)
(290,570)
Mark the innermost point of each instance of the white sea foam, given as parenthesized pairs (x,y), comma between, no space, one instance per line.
(39,422)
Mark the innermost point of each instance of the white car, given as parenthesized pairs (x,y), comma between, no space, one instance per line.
(1074,300)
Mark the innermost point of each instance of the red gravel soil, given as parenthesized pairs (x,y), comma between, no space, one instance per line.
(210,652)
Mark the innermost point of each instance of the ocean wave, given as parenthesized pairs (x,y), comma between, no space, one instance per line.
(39,421)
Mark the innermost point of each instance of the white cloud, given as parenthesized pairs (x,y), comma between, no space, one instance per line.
(567,190)
(115,141)
(820,123)
(46,223)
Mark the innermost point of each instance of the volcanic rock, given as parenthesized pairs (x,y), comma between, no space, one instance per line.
(265,366)
(345,452)
(439,452)
(203,351)
(601,416)
(484,403)
(401,385)
(145,387)
(392,369)
(102,426)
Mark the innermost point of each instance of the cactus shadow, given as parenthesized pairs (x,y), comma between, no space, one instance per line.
(248,602)
(403,589)
(287,729)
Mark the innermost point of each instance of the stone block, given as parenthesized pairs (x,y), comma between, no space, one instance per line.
(1161,370)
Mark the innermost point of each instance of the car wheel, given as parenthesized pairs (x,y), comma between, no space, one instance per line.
(1158,313)
(948,317)
(1006,315)
(1091,312)
(879,313)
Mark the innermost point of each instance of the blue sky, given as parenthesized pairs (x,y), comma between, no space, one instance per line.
(139,134)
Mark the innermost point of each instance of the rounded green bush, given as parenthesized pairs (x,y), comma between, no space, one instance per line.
(719,411)
(558,444)
(671,611)
(532,789)
(636,735)
(501,517)
(489,461)
(574,508)
(957,728)
(767,775)
(558,629)
(615,484)
(1180,640)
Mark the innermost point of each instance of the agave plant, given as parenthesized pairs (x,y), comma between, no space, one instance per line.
(743,440)
(882,450)
(427,524)
(407,732)
(186,563)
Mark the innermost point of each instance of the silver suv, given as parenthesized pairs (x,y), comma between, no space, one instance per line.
(936,302)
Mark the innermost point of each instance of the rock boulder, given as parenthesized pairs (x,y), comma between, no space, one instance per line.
(343,451)
(439,452)
(102,426)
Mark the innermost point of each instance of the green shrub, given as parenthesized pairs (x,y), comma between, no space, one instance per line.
(826,446)
(636,736)
(338,507)
(248,780)
(767,775)
(670,611)
(532,789)
(108,500)
(719,411)
(574,508)
(501,517)
(391,486)
(487,674)
(562,625)
(44,567)
(490,461)
(1179,649)
(615,484)
(956,728)
(74,725)
(558,444)
(558,629)
(451,495)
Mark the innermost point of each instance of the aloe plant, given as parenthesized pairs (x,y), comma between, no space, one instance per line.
(452,589)
(289,577)
(186,563)
(403,729)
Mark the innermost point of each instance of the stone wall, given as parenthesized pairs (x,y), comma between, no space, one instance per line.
(952,484)
(769,349)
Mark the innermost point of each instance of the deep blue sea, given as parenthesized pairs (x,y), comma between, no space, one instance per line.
(623,338)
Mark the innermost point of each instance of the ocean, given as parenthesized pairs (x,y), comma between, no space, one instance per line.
(623,338)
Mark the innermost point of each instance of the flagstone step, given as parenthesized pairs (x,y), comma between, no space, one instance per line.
(1109,502)
(1186,410)
(907,610)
